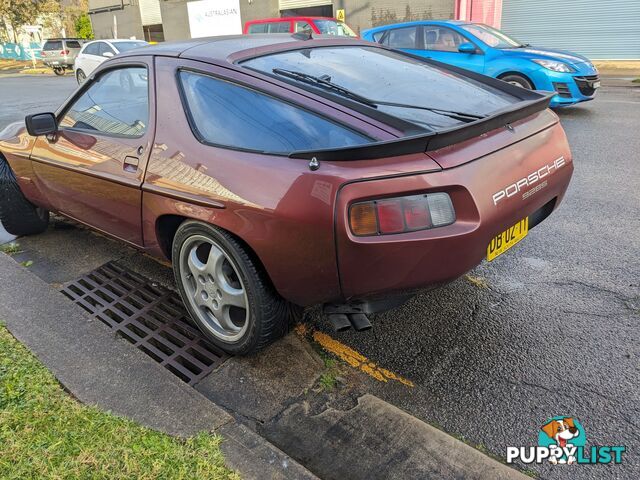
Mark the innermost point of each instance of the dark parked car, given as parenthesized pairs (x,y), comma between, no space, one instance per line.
(277,173)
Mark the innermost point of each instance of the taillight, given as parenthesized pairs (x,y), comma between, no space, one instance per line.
(43,53)
(64,52)
(401,214)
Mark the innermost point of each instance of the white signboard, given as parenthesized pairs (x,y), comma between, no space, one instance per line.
(214,17)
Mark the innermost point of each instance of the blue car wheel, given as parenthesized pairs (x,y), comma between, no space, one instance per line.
(517,80)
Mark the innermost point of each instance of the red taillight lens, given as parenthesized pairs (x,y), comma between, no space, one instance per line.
(401,214)
(64,52)
(390,215)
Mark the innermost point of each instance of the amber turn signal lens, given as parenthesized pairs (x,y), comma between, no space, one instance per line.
(363,219)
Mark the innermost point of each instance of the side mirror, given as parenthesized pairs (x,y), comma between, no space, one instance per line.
(107,54)
(41,124)
(467,47)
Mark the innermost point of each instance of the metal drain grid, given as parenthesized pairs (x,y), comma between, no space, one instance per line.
(151,317)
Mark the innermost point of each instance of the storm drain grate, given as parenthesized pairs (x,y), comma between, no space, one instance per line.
(151,317)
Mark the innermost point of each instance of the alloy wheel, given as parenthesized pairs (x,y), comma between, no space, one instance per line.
(214,288)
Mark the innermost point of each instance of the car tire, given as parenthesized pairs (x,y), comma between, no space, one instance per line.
(518,81)
(80,77)
(58,71)
(226,291)
(17,214)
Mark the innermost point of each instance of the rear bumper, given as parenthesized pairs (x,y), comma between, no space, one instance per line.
(417,260)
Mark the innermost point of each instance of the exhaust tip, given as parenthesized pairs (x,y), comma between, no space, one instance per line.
(340,322)
(360,321)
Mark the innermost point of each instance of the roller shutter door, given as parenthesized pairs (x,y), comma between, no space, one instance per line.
(598,29)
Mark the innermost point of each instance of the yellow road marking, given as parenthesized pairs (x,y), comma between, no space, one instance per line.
(477,281)
(352,357)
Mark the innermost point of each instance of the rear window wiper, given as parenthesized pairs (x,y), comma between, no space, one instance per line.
(323,82)
(326,83)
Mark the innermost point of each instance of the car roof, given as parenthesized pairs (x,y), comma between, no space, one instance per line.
(117,40)
(287,19)
(417,22)
(232,48)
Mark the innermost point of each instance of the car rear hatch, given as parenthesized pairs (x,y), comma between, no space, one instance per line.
(52,51)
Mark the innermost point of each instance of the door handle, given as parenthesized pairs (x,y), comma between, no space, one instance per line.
(130,164)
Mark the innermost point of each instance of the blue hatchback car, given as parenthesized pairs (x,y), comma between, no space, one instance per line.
(489,51)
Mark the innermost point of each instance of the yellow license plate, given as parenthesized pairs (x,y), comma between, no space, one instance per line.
(507,239)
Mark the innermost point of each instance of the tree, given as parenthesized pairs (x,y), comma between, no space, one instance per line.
(17,13)
(83,26)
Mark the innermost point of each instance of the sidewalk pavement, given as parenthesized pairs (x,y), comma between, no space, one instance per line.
(99,368)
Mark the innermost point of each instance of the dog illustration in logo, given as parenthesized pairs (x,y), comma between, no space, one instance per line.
(561,431)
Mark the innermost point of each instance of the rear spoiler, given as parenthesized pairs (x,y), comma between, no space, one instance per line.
(530,103)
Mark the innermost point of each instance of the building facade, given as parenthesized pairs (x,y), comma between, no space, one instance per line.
(600,30)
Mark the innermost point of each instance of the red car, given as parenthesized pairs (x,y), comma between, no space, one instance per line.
(277,172)
(318,25)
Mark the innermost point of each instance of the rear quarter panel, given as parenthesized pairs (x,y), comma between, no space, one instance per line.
(282,210)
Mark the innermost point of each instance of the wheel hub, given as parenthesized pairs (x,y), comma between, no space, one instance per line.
(213,288)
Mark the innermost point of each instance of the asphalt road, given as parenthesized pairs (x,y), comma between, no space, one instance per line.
(555,329)
(550,328)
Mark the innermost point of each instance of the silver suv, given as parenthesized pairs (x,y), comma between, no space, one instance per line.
(60,53)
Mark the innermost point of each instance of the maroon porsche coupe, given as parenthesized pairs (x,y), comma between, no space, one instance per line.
(279,171)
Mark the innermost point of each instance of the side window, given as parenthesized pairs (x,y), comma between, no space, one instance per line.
(229,115)
(442,39)
(279,27)
(301,26)
(258,28)
(93,48)
(73,44)
(116,103)
(401,38)
(104,48)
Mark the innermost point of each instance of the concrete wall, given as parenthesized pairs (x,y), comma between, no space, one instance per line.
(175,20)
(258,9)
(363,14)
(128,21)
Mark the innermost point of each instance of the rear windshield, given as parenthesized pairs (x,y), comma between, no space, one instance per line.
(53,45)
(73,44)
(124,46)
(334,27)
(386,76)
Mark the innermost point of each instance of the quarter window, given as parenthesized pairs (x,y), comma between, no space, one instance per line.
(233,116)
(116,103)
(258,28)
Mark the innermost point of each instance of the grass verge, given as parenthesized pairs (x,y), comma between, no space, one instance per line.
(44,433)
